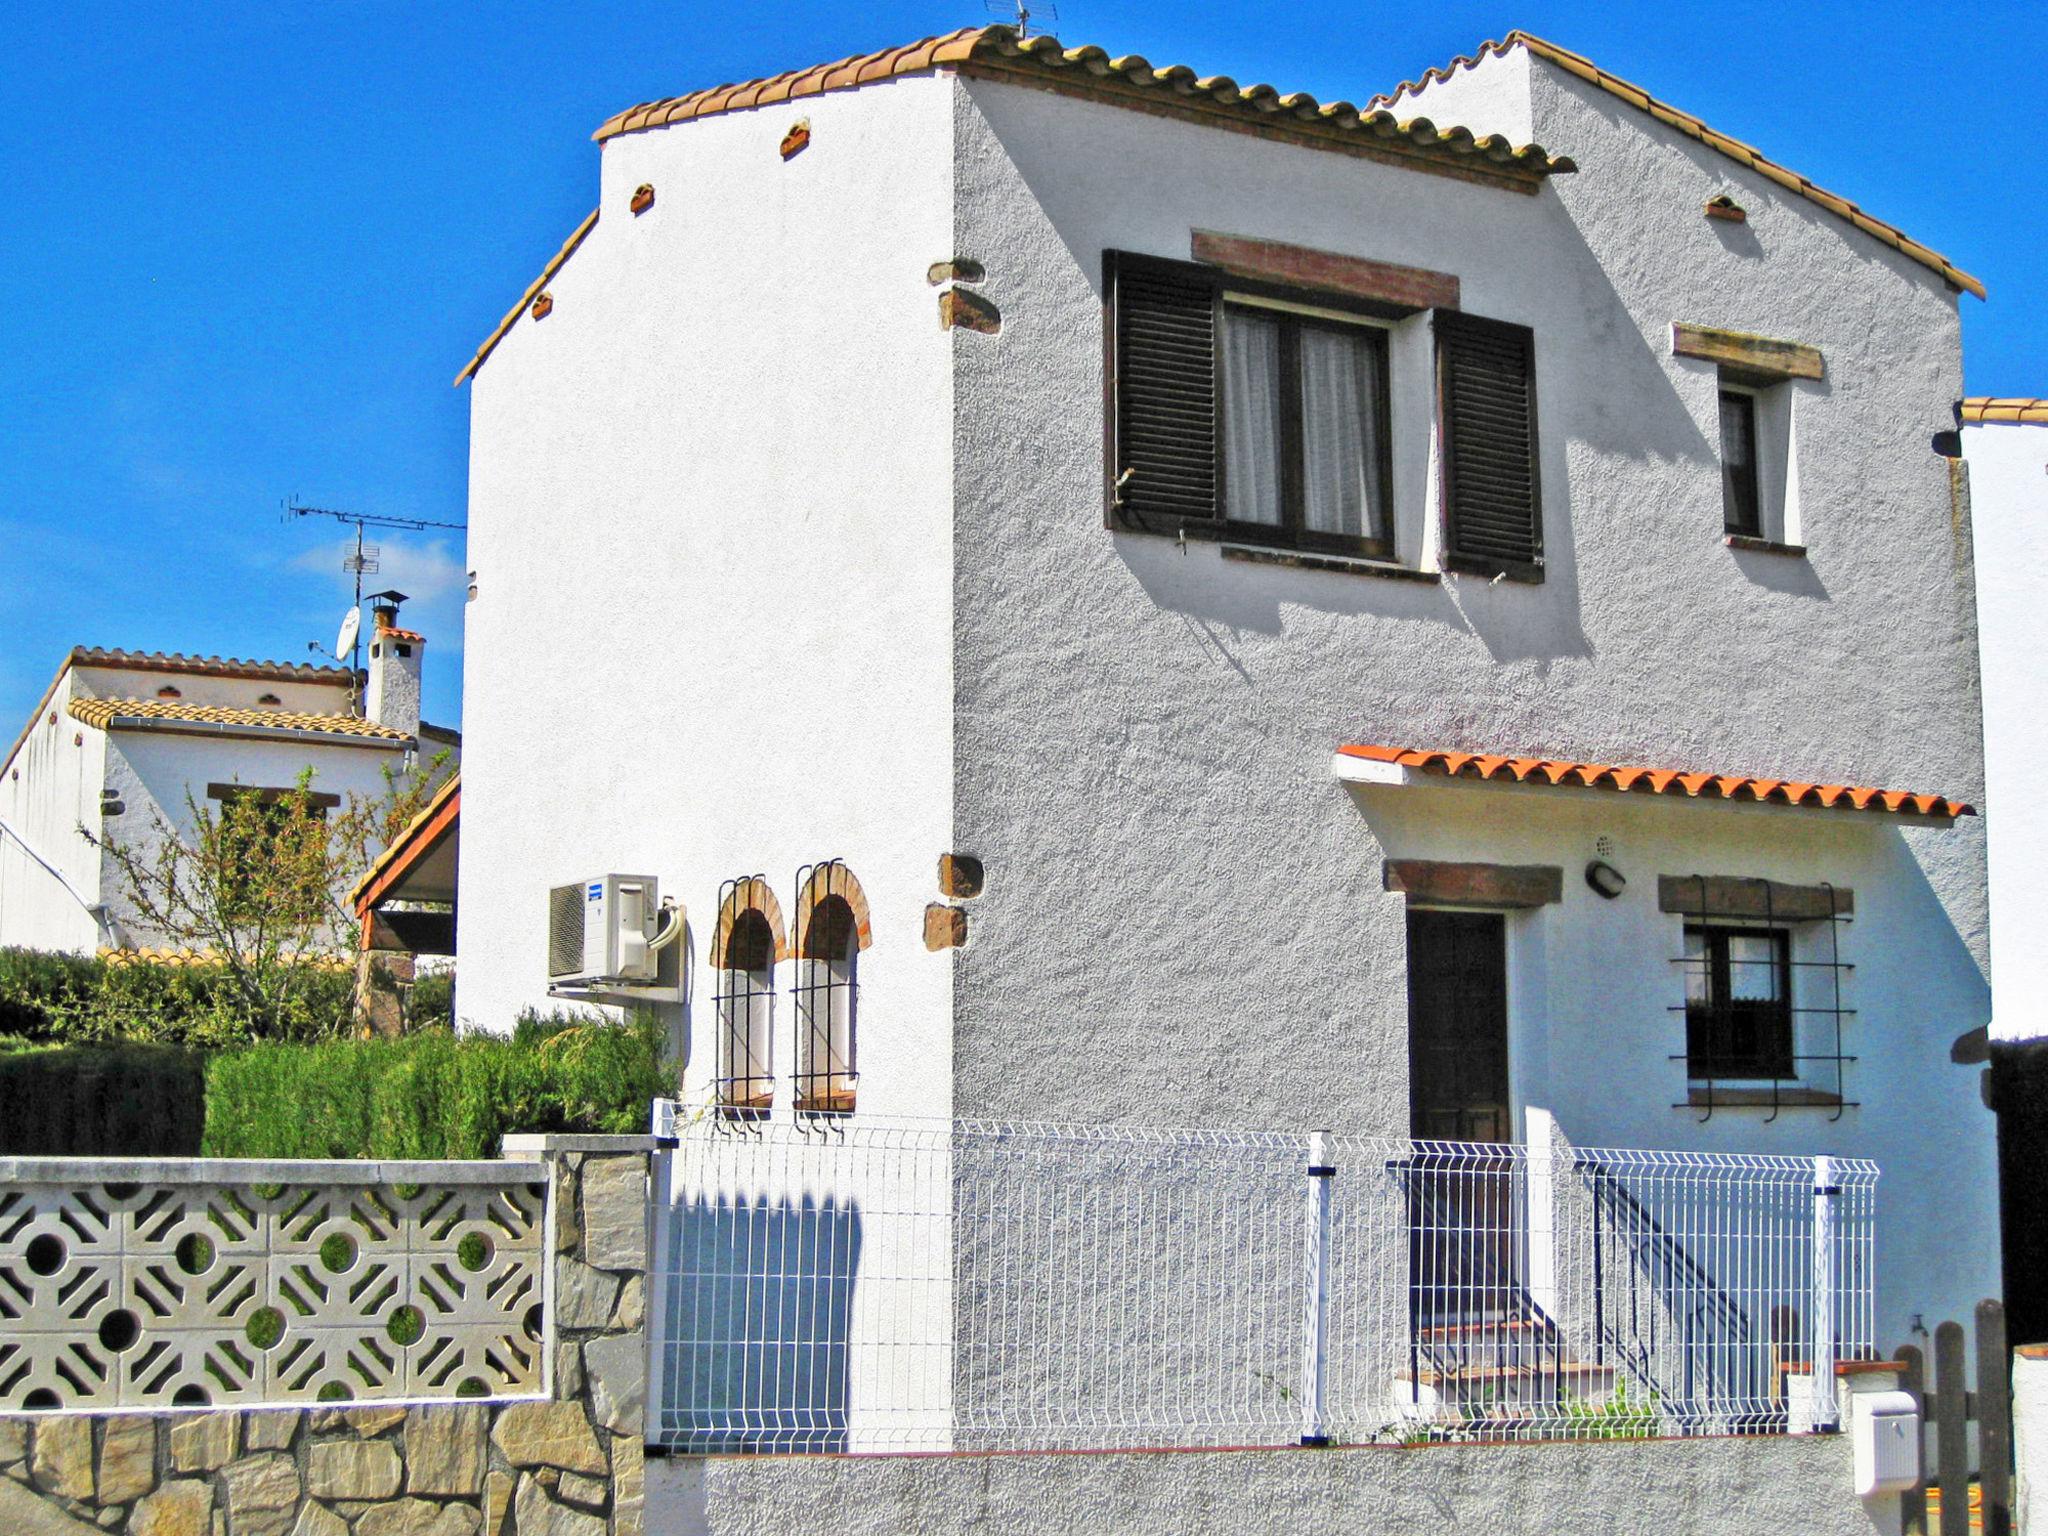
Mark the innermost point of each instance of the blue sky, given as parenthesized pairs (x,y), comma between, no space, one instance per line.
(246,247)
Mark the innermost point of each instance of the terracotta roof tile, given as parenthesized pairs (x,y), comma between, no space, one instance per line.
(448,799)
(1661,781)
(998,50)
(209,666)
(111,714)
(512,315)
(1743,154)
(2005,408)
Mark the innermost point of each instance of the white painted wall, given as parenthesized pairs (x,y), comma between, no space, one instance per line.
(2009,512)
(710,522)
(49,789)
(151,773)
(1184,920)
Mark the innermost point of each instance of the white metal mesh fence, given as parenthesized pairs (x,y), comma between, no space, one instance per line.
(831,1286)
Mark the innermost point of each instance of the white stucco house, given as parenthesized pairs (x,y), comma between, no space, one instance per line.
(2005,447)
(121,739)
(1111,596)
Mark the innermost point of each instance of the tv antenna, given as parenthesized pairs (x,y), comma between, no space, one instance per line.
(1020,12)
(364,560)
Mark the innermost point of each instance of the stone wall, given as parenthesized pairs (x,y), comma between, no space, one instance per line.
(568,1466)
(2030,1438)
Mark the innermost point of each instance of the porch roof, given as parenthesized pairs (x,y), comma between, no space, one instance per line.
(1360,764)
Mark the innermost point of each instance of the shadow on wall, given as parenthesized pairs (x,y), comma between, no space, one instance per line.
(759,1315)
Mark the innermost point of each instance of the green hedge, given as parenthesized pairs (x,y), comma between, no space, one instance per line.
(78,998)
(100,1101)
(433,1094)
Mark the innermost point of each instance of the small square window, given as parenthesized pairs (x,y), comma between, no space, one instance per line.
(1738,1002)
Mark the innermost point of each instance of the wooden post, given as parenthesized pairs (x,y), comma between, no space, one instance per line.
(1952,1429)
(1994,1419)
(1913,1379)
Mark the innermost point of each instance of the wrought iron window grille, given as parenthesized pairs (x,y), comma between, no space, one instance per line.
(827,992)
(1797,1079)
(744,979)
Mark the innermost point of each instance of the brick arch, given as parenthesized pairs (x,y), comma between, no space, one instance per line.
(825,881)
(752,894)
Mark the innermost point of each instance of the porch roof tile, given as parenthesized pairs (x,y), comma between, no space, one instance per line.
(1657,781)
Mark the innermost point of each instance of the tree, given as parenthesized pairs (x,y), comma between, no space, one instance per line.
(260,887)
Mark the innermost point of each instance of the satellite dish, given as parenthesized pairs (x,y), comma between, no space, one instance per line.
(351,622)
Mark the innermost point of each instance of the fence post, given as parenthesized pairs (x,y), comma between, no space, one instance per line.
(1994,1418)
(1826,1416)
(1316,1295)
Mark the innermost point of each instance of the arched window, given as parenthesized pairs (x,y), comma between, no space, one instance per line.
(832,930)
(744,948)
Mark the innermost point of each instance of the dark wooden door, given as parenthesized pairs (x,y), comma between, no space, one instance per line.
(1462,1200)
(1458,1026)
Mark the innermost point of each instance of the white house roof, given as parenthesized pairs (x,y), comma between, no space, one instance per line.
(211,719)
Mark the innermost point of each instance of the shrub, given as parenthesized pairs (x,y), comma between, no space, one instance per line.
(433,1094)
(37,986)
(100,1101)
(84,999)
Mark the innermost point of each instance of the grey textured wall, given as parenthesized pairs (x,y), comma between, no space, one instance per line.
(1672,1488)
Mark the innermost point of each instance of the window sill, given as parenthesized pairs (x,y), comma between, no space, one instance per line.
(1347,564)
(1755,545)
(1529,572)
(1761,1098)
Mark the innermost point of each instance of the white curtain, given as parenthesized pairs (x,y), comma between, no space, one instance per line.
(1251,417)
(1340,433)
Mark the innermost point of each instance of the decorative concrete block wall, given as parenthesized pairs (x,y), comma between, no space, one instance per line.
(569,1464)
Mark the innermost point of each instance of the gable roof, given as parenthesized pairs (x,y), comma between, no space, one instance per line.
(999,51)
(210,666)
(2005,408)
(512,315)
(1742,154)
(172,661)
(115,714)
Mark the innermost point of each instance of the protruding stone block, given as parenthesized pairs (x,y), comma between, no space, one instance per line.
(182,1507)
(615,1212)
(617,1368)
(549,1435)
(353,1469)
(205,1443)
(62,1463)
(127,1459)
(445,1451)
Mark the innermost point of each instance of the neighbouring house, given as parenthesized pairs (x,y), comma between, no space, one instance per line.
(1111,596)
(2006,450)
(122,739)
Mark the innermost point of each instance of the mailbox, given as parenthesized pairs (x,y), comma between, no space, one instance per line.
(1886,1429)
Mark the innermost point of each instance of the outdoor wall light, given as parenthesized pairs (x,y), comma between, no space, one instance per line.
(1606,879)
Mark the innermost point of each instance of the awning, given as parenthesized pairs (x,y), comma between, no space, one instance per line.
(418,867)
(1356,764)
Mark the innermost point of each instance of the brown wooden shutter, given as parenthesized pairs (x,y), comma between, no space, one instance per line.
(1163,391)
(1486,401)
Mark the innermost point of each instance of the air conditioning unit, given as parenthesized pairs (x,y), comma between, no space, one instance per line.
(600,930)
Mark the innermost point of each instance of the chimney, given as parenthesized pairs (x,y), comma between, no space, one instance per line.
(395,656)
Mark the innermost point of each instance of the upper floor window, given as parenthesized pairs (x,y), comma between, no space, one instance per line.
(1305,438)
(1738,1002)
(1252,411)
(744,949)
(1741,483)
(832,930)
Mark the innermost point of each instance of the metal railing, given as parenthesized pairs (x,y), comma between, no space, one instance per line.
(837,1286)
